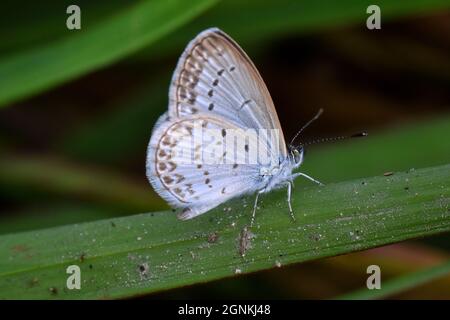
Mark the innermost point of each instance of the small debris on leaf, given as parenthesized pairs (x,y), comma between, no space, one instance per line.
(212,238)
(33,282)
(53,290)
(143,270)
(245,241)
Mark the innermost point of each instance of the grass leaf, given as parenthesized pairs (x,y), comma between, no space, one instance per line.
(93,47)
(129,256)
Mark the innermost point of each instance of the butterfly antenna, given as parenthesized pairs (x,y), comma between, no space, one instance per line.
(333,139)
(307,125)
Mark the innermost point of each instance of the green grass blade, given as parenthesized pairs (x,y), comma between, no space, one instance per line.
(401,284)
(49,25)
(49,215)
(93,47)
(145,253)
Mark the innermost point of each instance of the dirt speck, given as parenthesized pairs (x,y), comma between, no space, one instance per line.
(53,290)
(33,282)
(315,237)
(20,248)
(212,238)
(245,241)
(143,270)
(387,174)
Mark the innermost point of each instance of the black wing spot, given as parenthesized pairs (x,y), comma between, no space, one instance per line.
(245,102)
(210,93)
(220,72)
(232,68)
(224,132)
(211,106)
(215,82)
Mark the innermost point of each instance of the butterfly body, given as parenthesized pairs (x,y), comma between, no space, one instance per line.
(221,137)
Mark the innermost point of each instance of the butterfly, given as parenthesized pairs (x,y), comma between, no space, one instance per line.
(217,88)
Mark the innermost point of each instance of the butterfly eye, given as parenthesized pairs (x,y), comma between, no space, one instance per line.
(298,155)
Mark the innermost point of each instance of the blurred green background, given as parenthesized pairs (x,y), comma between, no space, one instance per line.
(77,108)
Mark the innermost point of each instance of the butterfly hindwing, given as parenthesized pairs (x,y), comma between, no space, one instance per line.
(179,171)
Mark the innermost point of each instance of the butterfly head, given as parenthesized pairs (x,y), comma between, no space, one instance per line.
(297,155)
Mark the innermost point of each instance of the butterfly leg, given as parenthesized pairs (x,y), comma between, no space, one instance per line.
(289,193)
(254,207)
(307,177)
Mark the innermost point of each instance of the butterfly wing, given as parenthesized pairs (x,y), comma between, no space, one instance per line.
(215,76)
(179,172)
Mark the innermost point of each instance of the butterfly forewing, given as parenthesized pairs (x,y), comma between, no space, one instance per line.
(214,75)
